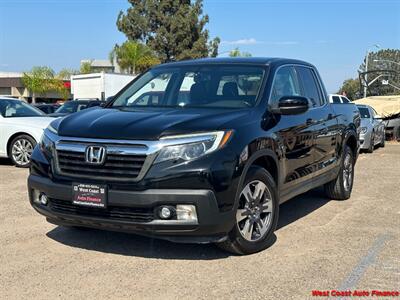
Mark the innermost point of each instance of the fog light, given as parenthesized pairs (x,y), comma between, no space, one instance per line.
(165,212)
(186,212)
(43,199)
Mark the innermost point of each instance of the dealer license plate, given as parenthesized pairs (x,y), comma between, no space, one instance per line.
(91,195)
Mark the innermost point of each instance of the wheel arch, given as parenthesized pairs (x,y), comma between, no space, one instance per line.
(265,158)
(351,141)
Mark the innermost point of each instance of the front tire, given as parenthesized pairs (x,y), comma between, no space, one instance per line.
(340,188)
(256,214)
(20,151)
(371,143)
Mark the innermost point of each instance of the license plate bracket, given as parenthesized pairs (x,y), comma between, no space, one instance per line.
(89,195)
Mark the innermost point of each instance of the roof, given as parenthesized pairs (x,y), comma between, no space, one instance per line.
(10,74)
(234,60)
(385,106)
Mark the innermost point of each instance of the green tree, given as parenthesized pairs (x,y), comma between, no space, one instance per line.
(86,67)
(381,61)
(65,74)
(174,29)
(41,80)
(236,53)
(37,81)
(133,57)
(351,87)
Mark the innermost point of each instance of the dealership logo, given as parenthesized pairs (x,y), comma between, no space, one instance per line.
(96,155)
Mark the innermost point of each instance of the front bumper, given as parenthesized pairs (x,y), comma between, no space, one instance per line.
(365,140)
(212,225)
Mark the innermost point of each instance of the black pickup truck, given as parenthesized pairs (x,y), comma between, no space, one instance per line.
(198,151)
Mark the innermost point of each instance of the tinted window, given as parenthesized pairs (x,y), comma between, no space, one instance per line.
(364,112)
(336,99)
(285,84)
(345,100)
(310,86)
(223,86)
(94,103)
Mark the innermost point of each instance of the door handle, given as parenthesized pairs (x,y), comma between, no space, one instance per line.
(309,121)
(330,117)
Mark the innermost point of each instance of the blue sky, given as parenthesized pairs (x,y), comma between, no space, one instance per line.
(333,35)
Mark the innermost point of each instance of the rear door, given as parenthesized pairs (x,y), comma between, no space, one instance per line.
(322,118)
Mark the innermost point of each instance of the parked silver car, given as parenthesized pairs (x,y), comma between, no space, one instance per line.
(372,129)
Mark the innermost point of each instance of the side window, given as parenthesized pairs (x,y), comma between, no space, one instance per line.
(345,100)
(310,86)
(336,99)
(285,84)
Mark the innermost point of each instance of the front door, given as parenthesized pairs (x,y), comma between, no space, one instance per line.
(295,131)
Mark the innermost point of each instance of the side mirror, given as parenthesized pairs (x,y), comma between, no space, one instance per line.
(292,105)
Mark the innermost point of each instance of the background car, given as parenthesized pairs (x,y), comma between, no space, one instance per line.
(75,106)
(21,126)
(372,128)
(47,108)
(334,98)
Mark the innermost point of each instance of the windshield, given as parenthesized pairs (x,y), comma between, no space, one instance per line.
(17,108)
(218,86)
(364,112)
(71,107)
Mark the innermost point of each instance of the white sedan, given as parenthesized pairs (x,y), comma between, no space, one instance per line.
(21,127)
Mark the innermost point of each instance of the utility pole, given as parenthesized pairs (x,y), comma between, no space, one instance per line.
(366,69)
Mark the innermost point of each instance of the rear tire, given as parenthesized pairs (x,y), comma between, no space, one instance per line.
(382,144)
(20,150)
(256,214)
(340,188)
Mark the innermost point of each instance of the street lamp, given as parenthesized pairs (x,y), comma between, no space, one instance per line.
(387,60)
(366,67)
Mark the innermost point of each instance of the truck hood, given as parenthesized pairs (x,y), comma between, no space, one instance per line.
(149,124)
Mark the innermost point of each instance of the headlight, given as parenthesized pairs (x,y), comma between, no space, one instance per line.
(363,130)
(52,128)
(188,147)
(47,140)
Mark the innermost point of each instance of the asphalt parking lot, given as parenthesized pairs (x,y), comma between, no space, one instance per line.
(320,245)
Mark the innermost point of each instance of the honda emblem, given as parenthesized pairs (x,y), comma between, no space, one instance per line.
(96,155)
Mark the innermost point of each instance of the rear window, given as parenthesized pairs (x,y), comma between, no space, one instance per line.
(364,112)
(336,99)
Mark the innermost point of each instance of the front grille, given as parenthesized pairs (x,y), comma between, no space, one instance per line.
(137,215)
(117,167)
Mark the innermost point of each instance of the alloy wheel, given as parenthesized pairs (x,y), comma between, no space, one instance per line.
(21,151)
(347,172)
(254,214)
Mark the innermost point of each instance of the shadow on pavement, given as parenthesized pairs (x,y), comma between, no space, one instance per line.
(135,245)
(301,206)
(5,162)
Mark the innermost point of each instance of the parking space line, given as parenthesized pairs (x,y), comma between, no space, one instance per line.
(367,260)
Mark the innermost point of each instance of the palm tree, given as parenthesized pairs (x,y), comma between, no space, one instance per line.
(133,57)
